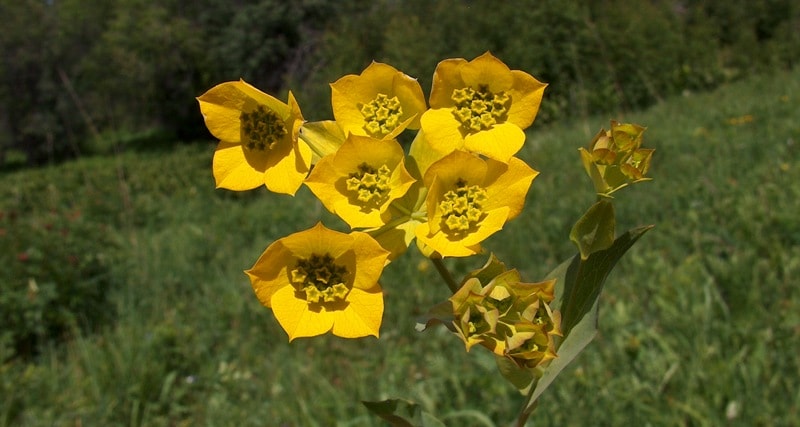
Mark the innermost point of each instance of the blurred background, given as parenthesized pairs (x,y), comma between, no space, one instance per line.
(81,75)
(122,297)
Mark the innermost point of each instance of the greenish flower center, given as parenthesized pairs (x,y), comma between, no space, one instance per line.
(320,279)
(462,208)
(369,186)
(480,109)
(502,306)
(382,115)
(261,129)
(475,322)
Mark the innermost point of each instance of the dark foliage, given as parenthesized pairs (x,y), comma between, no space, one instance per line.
(86,76)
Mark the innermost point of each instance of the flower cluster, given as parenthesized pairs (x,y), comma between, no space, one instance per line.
(458,184)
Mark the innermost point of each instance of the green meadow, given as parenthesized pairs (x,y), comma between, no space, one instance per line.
(125,303)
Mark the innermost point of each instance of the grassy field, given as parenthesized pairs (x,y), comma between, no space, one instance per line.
(700,323)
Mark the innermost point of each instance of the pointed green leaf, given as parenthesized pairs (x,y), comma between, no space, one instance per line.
(578,287)
(581,335)
(583,279)
(594,231)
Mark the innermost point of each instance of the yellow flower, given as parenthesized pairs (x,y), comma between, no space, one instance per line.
(258,138)
(380,102)
(615,158)
(481,106)
(320,280)
(361,179)
(511,318)
(469,199)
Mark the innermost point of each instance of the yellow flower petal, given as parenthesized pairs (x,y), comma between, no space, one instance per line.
(371,260)
(508,185)
(446,79)
(318,239)
(469,245)
(223,122)
(282,109)
(421,155)
(492,223)
(287,174)
(526,97)
(458,165)
(409,93)
(235,171)
(440,243)
(296,318)
(500,142)
(362,316)
(442,130)
(487,70)
(270,271)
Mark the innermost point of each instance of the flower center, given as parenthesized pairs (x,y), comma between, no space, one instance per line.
(381,115)
(369,186)
(480,109)
(462,208)
(261,129)
(477,323)
(320,279)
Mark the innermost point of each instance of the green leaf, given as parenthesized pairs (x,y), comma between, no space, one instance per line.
(402,413)
(521,378)
(581,335)
(324,137)
(594,231)
(583,279)
(578,287)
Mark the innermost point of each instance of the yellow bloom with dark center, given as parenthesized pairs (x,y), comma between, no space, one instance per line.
(360,181)
(320,280)
(381,102)
(469,199)
(481,106)
(258,139)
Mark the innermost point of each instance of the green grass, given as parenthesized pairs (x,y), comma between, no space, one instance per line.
(700,323)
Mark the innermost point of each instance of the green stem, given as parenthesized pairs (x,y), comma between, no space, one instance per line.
(526,412)
(445,273)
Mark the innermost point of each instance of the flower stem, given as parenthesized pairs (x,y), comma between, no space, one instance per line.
(527,408)
(445,273)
